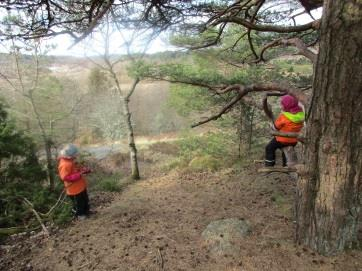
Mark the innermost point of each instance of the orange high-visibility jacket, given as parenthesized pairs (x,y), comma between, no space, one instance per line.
(289,122)
(66,168)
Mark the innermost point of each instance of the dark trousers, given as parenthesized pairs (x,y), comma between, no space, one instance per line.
(270,149)
(81,203)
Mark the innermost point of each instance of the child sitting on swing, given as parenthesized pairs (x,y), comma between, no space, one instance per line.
(290,120)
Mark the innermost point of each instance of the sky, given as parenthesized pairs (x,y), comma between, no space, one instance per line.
(90,47)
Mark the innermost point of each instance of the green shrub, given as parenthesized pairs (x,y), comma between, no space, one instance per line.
(64,214)
(207,152)
(217,145)
(15,213)
(202,163)
(110,183)
(22,177)
(178,162)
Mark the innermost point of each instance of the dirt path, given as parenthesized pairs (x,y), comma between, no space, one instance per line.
(156,224)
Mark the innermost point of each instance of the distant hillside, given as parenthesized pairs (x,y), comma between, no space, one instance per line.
(148,103)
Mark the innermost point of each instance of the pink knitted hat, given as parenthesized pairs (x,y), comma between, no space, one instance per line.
(290,104)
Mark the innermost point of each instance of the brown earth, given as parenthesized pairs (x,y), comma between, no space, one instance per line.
(156,224)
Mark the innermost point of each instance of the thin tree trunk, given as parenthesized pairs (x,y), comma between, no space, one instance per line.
(329,191)
(28,94)
(125,99)
(240,129)
(47,145)
(131,142)
(250,140)
(50,167)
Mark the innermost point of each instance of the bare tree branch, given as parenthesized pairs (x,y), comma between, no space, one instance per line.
(133,88)
(259,5)
(224,110)
(251,44)
(190,82)
(244,90)
(296,42)
(3,76)
(94,23)
(268,28)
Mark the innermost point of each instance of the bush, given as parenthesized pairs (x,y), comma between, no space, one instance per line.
(207,152)
(110,183)
(217,145)
(202,163)
(63,214)
(15,213)
(175,163)
(22,177)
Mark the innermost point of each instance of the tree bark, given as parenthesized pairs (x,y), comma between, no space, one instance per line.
(328,194)
(250,139)
(131,142)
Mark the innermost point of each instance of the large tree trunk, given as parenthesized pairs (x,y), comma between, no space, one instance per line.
(328,198)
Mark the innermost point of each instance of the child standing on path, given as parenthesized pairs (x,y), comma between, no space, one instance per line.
(74,182)
(290,120)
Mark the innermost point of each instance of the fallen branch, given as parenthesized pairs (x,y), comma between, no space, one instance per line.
(84,265)
(14,230)
(60,200)
(258,161)
(27,202)
(289,135)
(277,169)
(161,259)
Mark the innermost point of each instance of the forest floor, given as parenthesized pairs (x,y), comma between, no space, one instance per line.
(157,223)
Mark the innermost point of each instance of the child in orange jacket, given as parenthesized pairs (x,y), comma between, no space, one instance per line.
(290,120)
(74,182)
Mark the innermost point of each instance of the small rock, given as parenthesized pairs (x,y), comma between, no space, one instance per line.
(220,236)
